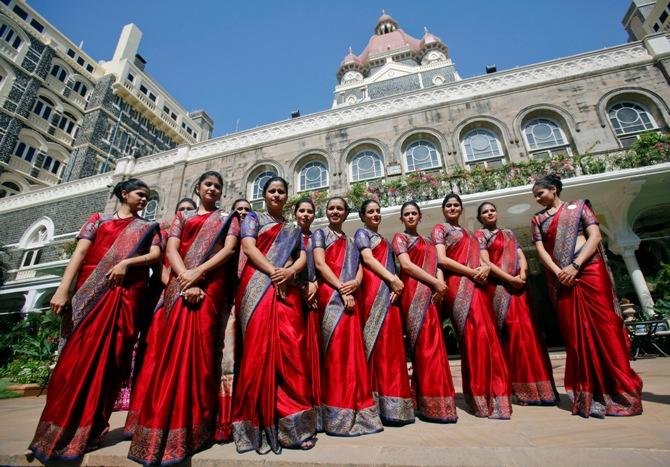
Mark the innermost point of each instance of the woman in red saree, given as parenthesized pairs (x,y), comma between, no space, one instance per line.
(346,392)
(598,376)
(432,386)
(229,348)
(159,279)
(486,385)
(111,265)
(272,405)
(525,353)
(382,332)
(173,405)
(304,214)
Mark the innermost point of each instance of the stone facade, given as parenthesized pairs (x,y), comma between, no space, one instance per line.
(72,138)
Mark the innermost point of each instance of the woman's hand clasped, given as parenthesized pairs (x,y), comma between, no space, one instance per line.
(567,275)
(281,276)
(189,278)
(193,295)
(349,287)
(117,274)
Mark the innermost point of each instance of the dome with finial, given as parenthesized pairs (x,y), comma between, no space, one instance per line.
(429,38)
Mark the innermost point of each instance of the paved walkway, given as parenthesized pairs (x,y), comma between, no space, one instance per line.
(546,436)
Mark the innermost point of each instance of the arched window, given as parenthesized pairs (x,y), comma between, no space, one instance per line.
(67,123)
(482,146)
(545,138)
(80,88)
(9,189)
(25,151)
(313,175)
(51,164)
(58,72)
(33,246)
(8,35)
(258,184)
(150,211)
(628,117)
(366,165)
(43,107)
(422,155)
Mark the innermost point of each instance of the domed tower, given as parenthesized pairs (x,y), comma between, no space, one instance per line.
(393,62)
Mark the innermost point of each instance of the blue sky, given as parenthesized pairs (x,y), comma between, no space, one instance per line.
(256,61)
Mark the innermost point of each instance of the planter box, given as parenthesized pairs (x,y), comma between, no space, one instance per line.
(31,389)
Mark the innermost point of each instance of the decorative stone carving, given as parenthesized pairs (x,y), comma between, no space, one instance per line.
(432,57)
(352,77)
(438,79)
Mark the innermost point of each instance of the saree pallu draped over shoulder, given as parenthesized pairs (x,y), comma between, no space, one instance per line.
(432,385)
(383,336)
(348,408)
(486,385)
(598,376)
(100,333)
(174,403)
(525,353)
(272,406)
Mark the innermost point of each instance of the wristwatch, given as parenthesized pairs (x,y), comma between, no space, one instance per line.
(575,265)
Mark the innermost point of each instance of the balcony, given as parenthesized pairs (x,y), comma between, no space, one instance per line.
(77,100)
(47,177)
(8,50)
(21,165)
(38,122)
(54,84)
(64,137)
(419,186)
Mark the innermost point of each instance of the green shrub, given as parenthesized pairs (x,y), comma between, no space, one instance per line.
(27,370)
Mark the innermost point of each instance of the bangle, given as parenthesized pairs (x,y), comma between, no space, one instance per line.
(146,259)
(575,265)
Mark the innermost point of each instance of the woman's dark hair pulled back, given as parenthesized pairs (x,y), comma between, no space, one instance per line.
(304,200)
(411,202)
(344,201)
(550,180)
(364,206)
(480,207)
(271,180)
(209,173)
(129,185)
(185,200)
(450,196)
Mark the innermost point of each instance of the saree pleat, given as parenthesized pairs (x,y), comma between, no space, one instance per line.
(525,353)
(348,407)
(432,385)
(174,406)
(86,380)
(384,344)
(598,376)
(486,385)
(272,406)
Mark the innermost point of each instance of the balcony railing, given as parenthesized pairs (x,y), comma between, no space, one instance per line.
(650,149)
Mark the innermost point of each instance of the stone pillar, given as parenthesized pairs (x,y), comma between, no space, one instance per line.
(32,296)
(639,282)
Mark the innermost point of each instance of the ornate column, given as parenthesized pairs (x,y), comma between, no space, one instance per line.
(627,251)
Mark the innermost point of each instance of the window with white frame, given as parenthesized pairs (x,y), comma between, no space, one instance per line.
(481,146)
(629,117)
(366,165)
(313,175)
(43,107)
(33,247)
(58,72)
(545,138)
(25,151)
(67,123)
(80,88)
(9,189)
(10,36)
(258,184)
(422,155)
(51,164)
(150,211)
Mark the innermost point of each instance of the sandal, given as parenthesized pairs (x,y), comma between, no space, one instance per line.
(308,444)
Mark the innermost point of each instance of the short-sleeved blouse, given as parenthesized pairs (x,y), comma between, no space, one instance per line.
(541,222)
